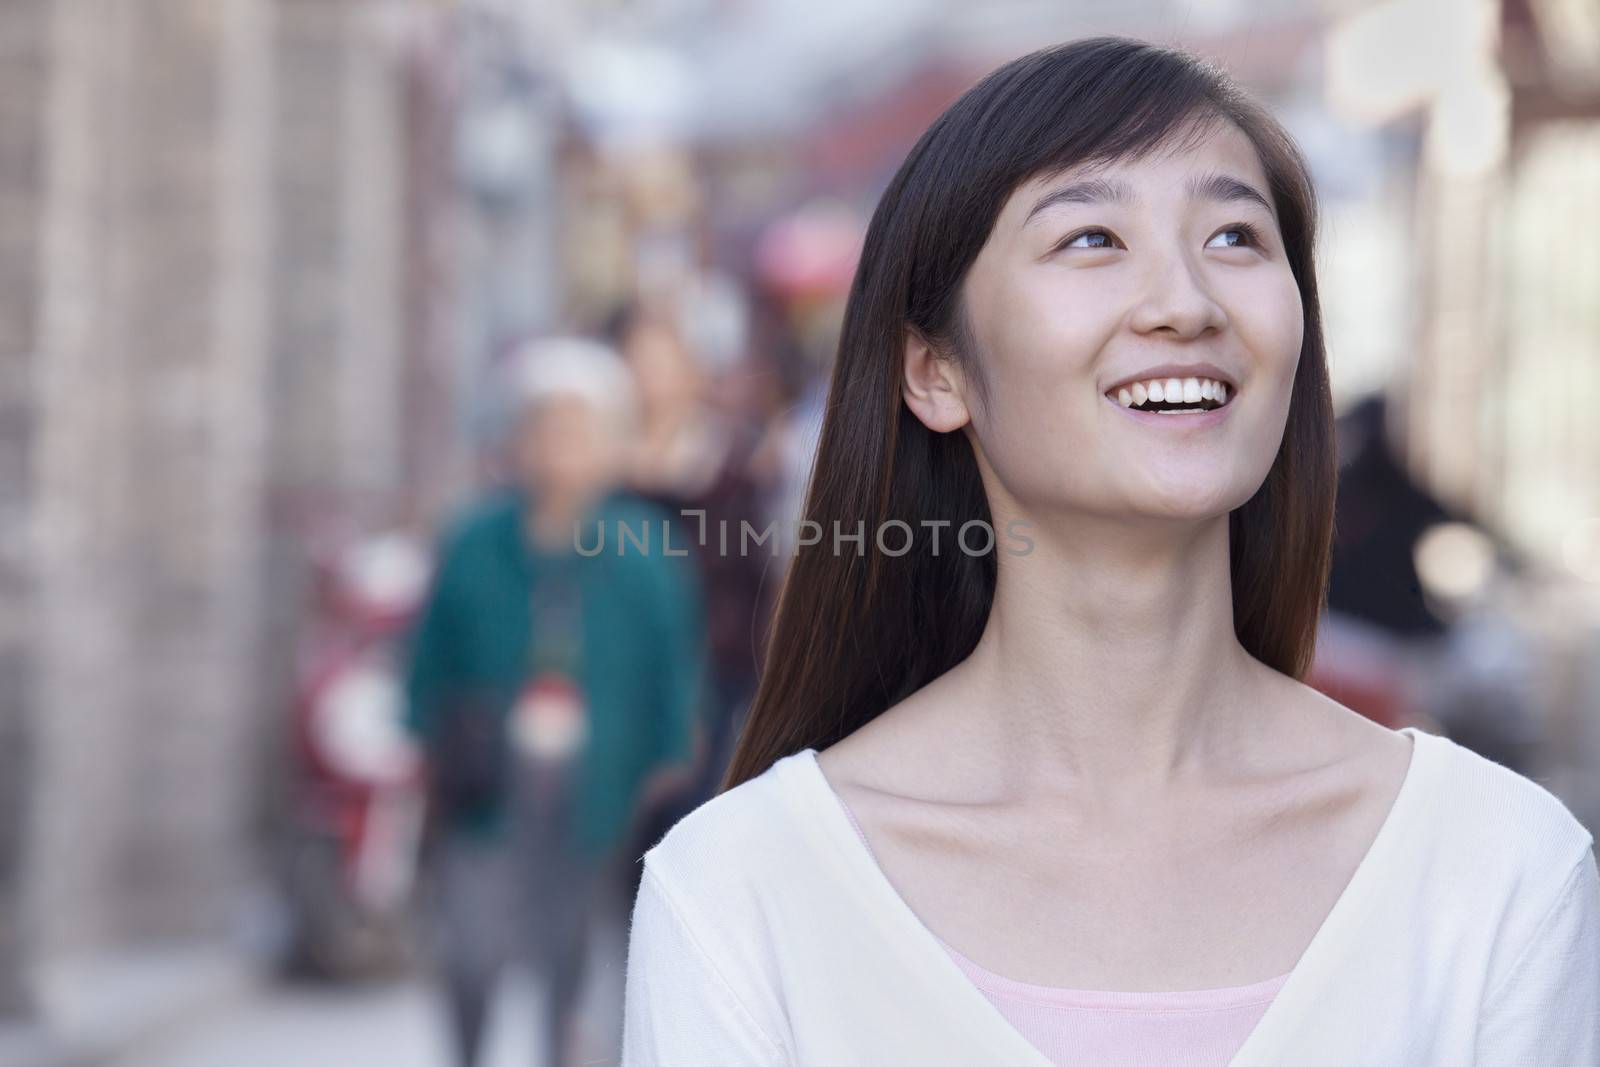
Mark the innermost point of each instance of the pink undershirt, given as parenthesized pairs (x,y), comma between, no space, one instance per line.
(1192,1028)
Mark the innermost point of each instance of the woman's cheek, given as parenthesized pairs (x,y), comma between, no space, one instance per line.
(1033,434)
(1288,322)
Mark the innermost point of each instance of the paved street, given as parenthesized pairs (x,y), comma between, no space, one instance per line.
(393,1025)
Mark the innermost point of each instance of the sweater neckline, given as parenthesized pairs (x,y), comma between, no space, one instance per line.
(996,984)
(1298,985)
(1216,999)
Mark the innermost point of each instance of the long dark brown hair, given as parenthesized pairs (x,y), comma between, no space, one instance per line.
(841,648)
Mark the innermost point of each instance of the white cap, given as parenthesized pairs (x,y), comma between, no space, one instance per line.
(572,366)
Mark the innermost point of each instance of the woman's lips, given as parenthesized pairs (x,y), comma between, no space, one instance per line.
(1194,420)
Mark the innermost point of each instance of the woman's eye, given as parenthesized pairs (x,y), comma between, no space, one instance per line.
(1243,234)
(1246,231)
(1072,242)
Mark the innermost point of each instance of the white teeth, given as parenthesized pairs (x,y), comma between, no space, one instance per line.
(1172,391)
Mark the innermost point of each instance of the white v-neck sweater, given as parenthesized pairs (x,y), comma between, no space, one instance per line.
(765,934)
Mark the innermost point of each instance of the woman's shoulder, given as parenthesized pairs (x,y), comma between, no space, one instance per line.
(736,839)
(1491,819)
(724,895)
(1454,810)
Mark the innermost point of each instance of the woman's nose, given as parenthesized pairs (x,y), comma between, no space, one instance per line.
(1176,299)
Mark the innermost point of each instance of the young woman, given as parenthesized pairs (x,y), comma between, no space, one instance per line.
(1065,800)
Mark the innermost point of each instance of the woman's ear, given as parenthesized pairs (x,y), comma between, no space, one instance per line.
(933,386)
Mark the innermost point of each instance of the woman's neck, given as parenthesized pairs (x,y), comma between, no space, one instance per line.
(1109,659)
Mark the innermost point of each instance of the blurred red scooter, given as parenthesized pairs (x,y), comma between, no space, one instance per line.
(358,800)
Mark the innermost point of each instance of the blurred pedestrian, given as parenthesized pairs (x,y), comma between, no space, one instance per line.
(693,459)
(552,685)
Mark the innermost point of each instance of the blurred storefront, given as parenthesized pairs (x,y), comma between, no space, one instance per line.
(1496,374)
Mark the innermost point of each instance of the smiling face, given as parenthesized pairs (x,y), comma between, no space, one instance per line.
(1097,277)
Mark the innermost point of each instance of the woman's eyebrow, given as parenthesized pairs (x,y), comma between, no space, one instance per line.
(1225,188)
(1221,188)
(1084,191)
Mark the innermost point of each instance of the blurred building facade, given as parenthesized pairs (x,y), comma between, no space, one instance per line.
(1496,377)
(21,104)
(214,323)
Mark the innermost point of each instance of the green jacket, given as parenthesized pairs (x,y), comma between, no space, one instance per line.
(642,660)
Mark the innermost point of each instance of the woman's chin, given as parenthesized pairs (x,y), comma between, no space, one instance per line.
(1192,502)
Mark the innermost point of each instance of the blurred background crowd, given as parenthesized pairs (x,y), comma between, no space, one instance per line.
(303,302)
